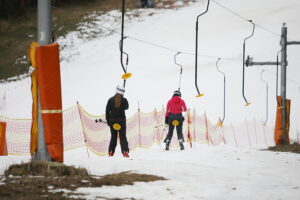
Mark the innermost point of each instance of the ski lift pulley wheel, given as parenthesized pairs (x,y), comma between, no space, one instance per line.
(126,76)
(199,95)
(116,126)
(175,122)
(247,104)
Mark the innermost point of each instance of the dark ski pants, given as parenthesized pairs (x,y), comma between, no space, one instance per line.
(180,119)
(114,137)
(144,4)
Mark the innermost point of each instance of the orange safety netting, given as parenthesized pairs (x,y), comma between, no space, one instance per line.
(143,130)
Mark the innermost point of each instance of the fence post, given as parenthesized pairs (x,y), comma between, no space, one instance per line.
(194,118)
(84,137)
(249,139)
(188,127)
(233,132)
(139,117)
(206,127)
(157,129)
(255,133)
(264,132)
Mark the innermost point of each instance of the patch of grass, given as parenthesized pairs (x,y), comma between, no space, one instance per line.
(293,148)
(16,34)
(41,168)
(39,180)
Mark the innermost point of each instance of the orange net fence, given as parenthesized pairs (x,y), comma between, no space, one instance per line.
(143,130)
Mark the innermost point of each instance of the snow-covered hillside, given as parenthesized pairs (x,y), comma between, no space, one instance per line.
(91,70)
(91,67)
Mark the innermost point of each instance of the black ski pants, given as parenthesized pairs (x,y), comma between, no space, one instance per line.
(180,119)
(114,137)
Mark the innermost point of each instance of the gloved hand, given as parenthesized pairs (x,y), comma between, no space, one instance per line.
(167,120)
(182,118)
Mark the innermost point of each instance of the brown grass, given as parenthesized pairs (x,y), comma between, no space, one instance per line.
(17,33)
(41,168)
(293,148)
(38,179)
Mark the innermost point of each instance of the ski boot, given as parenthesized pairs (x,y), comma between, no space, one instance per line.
(111,154)
(181,146)
(125,154)
(167,146)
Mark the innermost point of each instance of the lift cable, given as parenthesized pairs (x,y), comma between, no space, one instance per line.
(243,18)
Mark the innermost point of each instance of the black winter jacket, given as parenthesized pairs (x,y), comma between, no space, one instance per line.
(116,114)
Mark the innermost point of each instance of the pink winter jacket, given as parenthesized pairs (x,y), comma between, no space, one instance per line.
(175,106)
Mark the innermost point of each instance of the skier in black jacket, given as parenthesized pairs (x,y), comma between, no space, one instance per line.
(116,119)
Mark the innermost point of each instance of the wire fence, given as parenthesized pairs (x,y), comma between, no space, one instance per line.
(143,130)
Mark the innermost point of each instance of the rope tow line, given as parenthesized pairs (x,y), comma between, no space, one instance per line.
(244,49)
(220,123)
(196,52)
(126,75)
(267,94)
(180,69)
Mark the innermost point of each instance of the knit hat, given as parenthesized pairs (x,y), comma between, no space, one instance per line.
(177,93)
(120,90)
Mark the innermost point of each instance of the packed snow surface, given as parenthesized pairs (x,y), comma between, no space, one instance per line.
(201,172)
(91,70)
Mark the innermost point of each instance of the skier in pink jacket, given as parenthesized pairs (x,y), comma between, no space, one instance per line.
(174,117)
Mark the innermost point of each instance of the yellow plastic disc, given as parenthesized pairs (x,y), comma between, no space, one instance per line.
(175,122)
(220,124)
(199,95)
(247,104)
(116,126)
(126,76)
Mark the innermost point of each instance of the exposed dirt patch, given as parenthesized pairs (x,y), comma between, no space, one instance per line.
(44,180)
(293,148)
